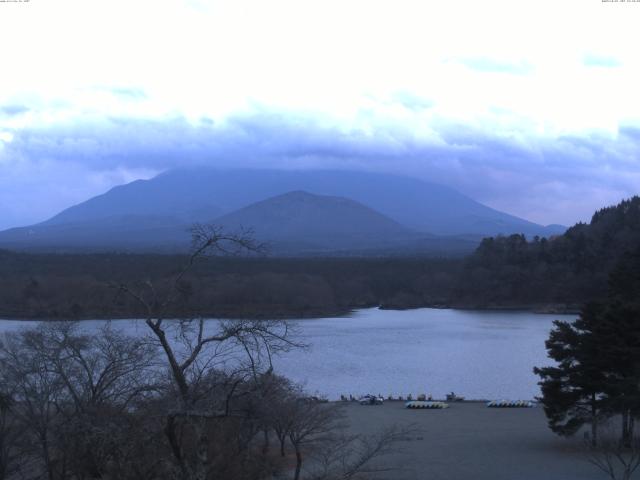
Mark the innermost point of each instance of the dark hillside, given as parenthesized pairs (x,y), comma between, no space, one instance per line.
(568,269)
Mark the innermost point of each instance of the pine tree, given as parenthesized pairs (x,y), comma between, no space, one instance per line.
(618,333)
(598,360)
(573,392)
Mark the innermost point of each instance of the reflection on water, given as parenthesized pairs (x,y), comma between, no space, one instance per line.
(478,354)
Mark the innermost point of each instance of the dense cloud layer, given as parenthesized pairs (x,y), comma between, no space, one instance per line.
(516,104)
(547,180)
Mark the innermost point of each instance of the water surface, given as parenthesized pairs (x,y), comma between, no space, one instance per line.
(478,354)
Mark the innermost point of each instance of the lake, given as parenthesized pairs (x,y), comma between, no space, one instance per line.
(477,354)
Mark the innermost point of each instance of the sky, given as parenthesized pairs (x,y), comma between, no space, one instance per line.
(531,107)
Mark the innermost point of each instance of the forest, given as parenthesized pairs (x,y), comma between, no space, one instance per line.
(569,269)
(548,274)
(82,286)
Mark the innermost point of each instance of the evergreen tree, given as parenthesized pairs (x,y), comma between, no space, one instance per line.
(618,333)
(573,392)
(598,359)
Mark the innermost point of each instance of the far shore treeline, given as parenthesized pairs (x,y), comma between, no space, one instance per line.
(555,274)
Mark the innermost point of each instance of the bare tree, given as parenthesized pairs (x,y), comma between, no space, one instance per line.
(104,368)
(10,436)
(350,457)
(192,399)
(311,423)
(317,431)
(193,347)
(617,458)
(73,393)
(37,393)
(103,375)
(280,408)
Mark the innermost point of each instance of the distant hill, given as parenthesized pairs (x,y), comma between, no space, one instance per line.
(305,221)
(409,215)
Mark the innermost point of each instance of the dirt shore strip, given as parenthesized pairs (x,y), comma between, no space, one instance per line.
(469,441)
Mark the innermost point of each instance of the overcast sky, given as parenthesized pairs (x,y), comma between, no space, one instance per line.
(531,107)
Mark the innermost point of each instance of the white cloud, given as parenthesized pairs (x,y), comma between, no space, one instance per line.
(528,73)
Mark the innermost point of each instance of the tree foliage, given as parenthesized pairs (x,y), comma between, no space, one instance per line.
(570,269)
(597,372)
(573,390)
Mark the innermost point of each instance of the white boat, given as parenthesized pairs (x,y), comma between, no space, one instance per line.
(510,404)
(417,404)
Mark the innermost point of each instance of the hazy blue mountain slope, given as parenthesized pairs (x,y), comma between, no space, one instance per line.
(317,221)
(188,198)
(120,232)
(310,212)
(416,204)
(295,223)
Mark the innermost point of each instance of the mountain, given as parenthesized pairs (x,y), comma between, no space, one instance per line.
(317,222)
(295,223)
(190,193)
(301,223)
(297,211)
(131,232)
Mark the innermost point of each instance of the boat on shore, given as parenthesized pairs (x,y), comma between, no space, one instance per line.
(420,404)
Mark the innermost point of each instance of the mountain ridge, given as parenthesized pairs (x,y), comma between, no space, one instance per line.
(230,189)
(161,209)
(320,222)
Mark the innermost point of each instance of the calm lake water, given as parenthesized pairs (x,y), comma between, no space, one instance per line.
(478,354)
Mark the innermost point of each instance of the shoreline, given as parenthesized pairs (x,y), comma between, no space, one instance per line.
(542,309)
